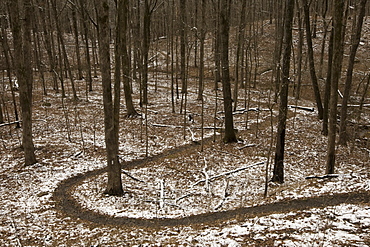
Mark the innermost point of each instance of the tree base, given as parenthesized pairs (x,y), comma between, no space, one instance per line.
(114,192)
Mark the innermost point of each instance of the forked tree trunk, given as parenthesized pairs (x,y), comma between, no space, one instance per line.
(111,106)
(338,11)
(278,175)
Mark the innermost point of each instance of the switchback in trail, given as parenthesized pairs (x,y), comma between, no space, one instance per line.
(68,205)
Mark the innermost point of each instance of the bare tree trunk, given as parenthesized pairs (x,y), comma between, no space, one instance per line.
(37,50)
(315,84)
(338,11)
(173,72)
(23,51)
(122,27)
(87,50)
(77,43)
(355,41)
(8,61)
(183,44)
(278,175)
(145,51)
(149,7)
(63,49)
(201,50)
(217,45)
(1,114)
(297,92)
(43,13)
(239,53)
(226,87)
(325,122)
(278,44)
(111,106)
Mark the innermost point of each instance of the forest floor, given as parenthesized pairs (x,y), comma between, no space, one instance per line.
(168,199)
(175,193)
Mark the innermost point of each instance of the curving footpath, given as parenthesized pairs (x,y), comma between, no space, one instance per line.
(66,204)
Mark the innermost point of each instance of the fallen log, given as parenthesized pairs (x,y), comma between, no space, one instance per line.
(364,105)
(302,108)
(177,126)
(228,173)
(324,176)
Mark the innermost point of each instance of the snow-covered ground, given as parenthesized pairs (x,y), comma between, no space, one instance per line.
(168,188)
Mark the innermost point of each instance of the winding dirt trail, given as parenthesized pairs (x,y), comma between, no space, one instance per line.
(69,206)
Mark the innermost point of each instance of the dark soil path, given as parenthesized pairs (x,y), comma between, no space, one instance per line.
(66,204)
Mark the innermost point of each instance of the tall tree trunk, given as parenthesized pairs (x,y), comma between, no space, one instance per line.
(226,87)
(111,108)
(278,175)
(149,7)
(217,46)
(297,92)
(239,53)
(278,46)
(122,27)
(338,11)
(87,50)
(201,50)
(63,49)
(1,114)
(325,122)
(355,41)
(23,51)
(77,43)
(315,84)
(8,61)
(183,44)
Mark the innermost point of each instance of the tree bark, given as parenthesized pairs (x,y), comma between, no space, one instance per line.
(87,50)
(297,92)
(77,43)
(338,11)
(202,36)
(239,54)
(278,173)
(355,41)
(226,87)
(122,40)
(23,51)
(8,61)
(63,49)
(315,84)
(111,109)
(325,122)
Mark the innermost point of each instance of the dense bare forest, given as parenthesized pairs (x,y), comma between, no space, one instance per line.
(184,122)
